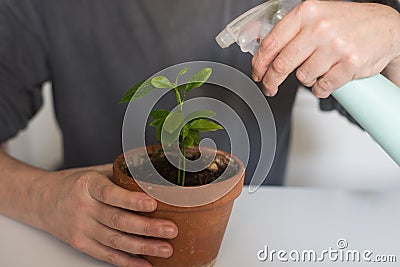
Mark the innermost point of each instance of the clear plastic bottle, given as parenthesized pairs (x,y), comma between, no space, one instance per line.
(374,102)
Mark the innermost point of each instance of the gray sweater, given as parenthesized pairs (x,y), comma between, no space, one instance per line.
(94,50)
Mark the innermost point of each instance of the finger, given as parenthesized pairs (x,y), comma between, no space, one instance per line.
(131,243)
(108,254)
(319,63)
(295,53)
(283,32)
(135,224)
(336,77)
(102,189)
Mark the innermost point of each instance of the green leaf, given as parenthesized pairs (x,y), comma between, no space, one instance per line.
(159,113)
(188,142)
(168,138)
(180,87)
(130,93)
(158,131)
(185,131)
(161,82)
(198,79)
(204,125)
(139,90)
(182,71)
(195,134)
(199,114)
(173,121)
(157,122)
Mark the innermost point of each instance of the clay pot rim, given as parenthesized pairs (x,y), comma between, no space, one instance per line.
(229,196)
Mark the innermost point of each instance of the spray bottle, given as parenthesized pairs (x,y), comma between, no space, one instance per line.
(373,102)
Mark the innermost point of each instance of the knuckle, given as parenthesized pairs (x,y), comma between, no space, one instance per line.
(324,26)
(115,241)
(269,43)
(342,45)
(353,60)
(258,68)
(280,66)
(105,193)
(141,248)
(110,258)
(308,8)
(147,227)
(117,220)
(83,180)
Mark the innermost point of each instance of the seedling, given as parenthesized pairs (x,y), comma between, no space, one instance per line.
(172,126)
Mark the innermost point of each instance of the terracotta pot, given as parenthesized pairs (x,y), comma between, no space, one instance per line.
(201,228)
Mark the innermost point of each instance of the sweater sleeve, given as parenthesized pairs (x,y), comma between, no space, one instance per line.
(23,70)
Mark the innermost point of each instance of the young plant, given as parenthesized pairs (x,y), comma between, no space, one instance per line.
(172,126)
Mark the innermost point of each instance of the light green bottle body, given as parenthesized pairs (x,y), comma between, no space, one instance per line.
(374,103)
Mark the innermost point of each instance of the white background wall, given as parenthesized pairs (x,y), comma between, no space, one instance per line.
(326,149)
(40,144)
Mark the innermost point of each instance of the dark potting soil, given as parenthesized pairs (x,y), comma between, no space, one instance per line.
(169,172)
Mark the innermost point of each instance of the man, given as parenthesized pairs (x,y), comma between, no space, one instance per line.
(93,50)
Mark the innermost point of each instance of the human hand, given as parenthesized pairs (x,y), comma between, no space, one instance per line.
(93,215)
(330,43)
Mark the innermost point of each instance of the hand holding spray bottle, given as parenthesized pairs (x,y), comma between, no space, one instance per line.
(373,102)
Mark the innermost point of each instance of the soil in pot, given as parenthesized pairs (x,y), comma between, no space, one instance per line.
(160,162)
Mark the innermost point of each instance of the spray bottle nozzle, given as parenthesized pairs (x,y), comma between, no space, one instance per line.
(249,29)
(224,39)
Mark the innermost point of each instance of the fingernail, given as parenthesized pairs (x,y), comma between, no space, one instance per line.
(255,77)
(301,75)
(168,232)
(147,204)
(164,252)
(267,91)
(324,85)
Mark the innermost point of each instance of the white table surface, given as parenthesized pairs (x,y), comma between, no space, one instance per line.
(281,218)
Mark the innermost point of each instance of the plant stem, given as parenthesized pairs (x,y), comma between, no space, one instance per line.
(181,173)
(178,98)
(184,166)
(179,169)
